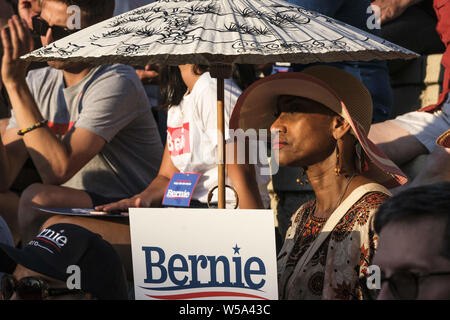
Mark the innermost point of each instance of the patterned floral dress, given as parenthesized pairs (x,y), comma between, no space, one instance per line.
(342,259)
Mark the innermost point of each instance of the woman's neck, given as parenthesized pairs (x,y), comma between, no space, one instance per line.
(330,188)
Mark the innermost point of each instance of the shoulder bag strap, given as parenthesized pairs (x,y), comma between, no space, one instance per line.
(335,217)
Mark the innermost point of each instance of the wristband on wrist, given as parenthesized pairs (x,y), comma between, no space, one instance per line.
(34,126)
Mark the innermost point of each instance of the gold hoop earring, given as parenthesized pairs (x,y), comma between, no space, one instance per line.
(338,168)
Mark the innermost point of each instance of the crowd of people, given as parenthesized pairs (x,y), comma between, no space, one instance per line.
(103,137)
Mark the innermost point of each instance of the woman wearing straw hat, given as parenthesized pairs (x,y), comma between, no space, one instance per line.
(322,116)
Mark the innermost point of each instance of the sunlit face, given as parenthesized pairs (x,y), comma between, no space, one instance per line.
(304,128)
(415,246)
(55,14)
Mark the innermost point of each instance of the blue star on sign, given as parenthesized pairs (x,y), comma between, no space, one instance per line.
(236,249)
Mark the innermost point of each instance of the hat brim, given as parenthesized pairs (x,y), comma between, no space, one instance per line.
(256,107)
(30,261)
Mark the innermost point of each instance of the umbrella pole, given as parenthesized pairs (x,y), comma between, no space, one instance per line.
(221,72)
(221,142)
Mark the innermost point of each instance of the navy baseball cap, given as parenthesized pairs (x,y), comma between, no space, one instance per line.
(62,245)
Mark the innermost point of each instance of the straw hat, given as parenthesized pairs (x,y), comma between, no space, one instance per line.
(334,88)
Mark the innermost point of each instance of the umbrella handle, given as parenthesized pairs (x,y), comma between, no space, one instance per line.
(210,195)
(221,72)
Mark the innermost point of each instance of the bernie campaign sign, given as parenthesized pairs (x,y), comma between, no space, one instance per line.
(203,254)
(180,189)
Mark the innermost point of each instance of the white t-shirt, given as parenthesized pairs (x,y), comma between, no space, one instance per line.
(192,135)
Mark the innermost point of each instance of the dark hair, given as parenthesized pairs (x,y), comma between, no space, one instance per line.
(92,11)
(172,87)
(427,200)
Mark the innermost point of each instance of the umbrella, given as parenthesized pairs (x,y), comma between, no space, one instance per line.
(219,33)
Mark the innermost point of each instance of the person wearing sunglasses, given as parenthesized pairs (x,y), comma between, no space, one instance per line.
(89,130)
(41,27)
(413,252)
(63,261)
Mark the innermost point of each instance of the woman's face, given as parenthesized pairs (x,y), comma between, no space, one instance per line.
(304,130)
(187,72)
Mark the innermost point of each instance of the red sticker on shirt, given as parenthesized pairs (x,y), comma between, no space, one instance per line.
(60,129)
(178,140)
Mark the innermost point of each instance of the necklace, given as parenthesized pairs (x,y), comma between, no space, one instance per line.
(340,198)
(310,214)
(299,230)
(312,211)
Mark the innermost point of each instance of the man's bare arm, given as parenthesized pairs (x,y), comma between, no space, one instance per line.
(56,161)
(243,178)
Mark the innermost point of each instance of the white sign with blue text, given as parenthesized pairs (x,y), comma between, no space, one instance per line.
(203,254)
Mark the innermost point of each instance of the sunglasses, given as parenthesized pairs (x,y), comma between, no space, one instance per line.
(40,28)
(31,288)
(404,285)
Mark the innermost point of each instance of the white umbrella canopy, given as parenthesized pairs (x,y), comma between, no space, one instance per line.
(220,31)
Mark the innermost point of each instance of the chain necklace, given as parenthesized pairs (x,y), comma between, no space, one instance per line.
(313,210)
(300,234)
(340,198)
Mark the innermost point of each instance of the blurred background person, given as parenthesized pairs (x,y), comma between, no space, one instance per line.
(373,74)
(414,245)
(414,133)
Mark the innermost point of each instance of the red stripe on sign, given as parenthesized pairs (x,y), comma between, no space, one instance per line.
(45,240)
(206,295)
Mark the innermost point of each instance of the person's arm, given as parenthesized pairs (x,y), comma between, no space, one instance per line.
(56,161)
(153,195)
(13,155)
(243,178)
(391,9)
(149,74)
